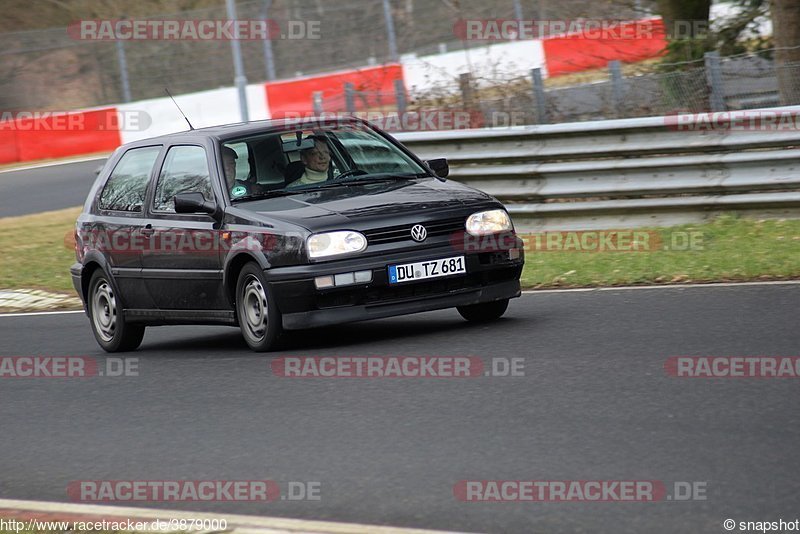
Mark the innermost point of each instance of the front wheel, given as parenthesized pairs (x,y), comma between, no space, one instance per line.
(259,318)
(483,313)
(110,329)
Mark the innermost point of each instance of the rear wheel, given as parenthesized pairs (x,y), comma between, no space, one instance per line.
(110,329)
(259,318)
(485,312)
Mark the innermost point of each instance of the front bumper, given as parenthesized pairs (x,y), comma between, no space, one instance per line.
(490,276)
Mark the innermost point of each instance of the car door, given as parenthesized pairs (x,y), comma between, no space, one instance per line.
(116,229)
(182,268)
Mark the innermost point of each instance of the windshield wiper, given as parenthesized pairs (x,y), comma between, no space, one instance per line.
(351,172)
(267,194)
(376,177)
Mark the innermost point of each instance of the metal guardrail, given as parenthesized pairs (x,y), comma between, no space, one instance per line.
(633,172)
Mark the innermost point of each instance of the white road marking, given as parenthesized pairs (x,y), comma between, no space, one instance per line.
(28,314)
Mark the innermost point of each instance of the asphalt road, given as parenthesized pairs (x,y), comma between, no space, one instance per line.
(595,404)
(46,188)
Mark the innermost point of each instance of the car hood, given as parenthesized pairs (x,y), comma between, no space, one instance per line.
(358,205)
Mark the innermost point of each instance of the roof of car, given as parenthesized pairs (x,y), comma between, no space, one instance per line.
(229,131)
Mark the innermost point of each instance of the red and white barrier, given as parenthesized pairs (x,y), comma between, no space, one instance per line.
(104,129)
(34,136)
(374,84)
(578,52)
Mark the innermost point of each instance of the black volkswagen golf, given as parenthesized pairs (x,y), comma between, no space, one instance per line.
(282,225)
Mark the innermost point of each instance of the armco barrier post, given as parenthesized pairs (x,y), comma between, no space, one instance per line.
(400,96)
(714,79)
(349,97)
(538,96)
(617,87)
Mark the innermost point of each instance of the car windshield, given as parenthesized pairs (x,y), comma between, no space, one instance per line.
(297,160)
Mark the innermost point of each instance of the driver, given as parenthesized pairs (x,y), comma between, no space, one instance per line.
(317,162)
(236,188)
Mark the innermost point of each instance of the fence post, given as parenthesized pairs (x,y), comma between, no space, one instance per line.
(538,95)
(617,87)
(400,95)
(714,78)
(517,10)
(390,34)
(240,80)
(123,71)
(349,97)
(467,96)
(316,102)
(269,59)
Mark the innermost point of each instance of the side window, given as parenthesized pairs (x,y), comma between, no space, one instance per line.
(125,188)
(185,170)
(242,162)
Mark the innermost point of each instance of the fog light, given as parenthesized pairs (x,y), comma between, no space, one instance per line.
(513,254)
(344,279)
(323,282)
(363,277)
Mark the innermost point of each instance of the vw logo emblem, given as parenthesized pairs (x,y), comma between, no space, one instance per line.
(418,233)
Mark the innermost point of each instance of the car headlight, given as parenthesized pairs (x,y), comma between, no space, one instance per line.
(489,222)
(335,243)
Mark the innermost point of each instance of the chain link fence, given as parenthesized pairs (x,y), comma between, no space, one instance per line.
(745,81)
(49,70)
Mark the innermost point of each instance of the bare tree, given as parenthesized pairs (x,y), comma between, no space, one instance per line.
(786,31)
(685,41)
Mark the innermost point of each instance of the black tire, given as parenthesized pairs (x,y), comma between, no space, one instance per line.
(256,311)
(483,313)
(110,329)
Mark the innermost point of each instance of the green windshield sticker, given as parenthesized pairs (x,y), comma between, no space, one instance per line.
(238,191)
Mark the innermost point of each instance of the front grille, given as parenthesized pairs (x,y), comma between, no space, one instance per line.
(396,234)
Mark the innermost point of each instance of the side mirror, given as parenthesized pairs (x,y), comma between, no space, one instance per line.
(439,166)
(193,203)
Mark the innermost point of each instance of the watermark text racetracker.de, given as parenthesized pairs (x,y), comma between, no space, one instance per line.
(100,120)
(395,367)
(733,366)
(67,367)
(620,240)
(588,29)
(193,490)
(770,121)
(578,491)
(193,29)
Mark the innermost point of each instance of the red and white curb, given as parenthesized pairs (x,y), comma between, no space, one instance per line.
(240,524)
(35,299)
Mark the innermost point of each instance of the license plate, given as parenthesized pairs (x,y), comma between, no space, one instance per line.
(421,270)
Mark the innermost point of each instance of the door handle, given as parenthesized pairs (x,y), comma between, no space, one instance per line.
(147,229)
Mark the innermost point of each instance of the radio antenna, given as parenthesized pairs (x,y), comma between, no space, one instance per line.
(179,109)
